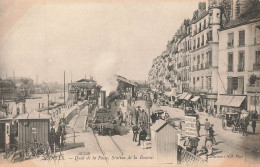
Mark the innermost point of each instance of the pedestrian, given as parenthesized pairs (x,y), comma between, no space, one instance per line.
(120,119)
(208,145)
(137,112)
(135,132)
(244,127)
(187,144)
(198,127)
(194,144)
(153,117)
(211,134)
(224,123)
(207,125)
(142,137)
(253,125)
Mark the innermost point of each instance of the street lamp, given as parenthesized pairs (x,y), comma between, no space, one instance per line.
(23,96)
(48,94)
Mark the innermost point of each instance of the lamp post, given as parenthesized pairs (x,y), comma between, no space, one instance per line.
(23,96)
(48,94)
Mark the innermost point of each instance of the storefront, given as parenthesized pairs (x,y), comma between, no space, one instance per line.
(196,101)
(231,103)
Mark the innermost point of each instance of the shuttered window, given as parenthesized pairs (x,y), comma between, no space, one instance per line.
(242,38)
(240,85)
(230,62)
(210,35)
(241,61)
(229,85)
(210,57)
(230,42)
(234,83)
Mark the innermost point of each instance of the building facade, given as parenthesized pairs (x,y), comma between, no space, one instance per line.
(204,54)
(239,54)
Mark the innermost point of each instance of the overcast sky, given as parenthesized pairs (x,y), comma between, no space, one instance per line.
(97,38)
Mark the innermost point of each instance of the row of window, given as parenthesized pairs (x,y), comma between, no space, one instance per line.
(200,80)
(241,61)
(235,85)
(200,58)
(200,28)
(241,38)
(201,43)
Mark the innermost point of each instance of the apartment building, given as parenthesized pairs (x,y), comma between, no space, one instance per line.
(239,59)
(204,53)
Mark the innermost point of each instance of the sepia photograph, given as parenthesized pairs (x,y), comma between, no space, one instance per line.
(129,83)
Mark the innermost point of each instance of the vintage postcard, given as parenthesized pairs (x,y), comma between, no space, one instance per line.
(129,83)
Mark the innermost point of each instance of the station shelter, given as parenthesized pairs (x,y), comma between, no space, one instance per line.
(164,142)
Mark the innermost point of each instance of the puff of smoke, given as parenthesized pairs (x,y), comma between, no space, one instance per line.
(105,68)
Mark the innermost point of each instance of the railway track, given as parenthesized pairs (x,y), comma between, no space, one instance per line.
(108,146)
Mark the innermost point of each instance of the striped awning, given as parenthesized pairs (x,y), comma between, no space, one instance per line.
(236,101)
(183,95)
(178,96)
(188,97)
(196,98)
(224,100)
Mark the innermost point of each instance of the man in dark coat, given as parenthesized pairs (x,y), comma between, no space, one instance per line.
(135,132)
(207,125)
(254,125)
(198,127)
(142,136)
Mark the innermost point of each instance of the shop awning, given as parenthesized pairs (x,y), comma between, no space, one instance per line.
(236,101)
(178,95)
(188,97)
(183,95)
(196,98)
(224,100)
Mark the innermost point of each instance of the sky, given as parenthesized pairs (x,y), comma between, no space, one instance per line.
(97,38)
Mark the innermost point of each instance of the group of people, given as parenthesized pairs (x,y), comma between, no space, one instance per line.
(57,138)
(191,143)
(140,132)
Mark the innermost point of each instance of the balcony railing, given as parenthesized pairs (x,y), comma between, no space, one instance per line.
(230,68)
(256,66)
(230,44)
(199,89)
(253,88)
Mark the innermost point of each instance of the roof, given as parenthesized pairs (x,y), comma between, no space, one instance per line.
(123,79)
(158,125)
(86,80)
(250,16)
(33,115)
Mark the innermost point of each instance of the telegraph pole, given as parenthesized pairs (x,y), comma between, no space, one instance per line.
(64,87)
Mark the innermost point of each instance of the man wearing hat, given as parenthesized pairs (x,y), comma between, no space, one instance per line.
(207,125)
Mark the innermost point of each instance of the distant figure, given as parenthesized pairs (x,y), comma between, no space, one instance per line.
(224,123)
(253,125)
(135,132)
(207,125)
(142,138)
(153,117)
(208,145)
(198,127)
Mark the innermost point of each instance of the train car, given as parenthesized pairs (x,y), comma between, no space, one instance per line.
(102,122)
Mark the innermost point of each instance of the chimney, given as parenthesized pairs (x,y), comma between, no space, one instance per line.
(202,8)
(239,7)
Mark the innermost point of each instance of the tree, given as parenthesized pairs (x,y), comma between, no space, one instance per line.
(252,79)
